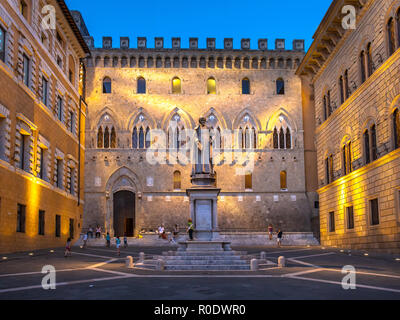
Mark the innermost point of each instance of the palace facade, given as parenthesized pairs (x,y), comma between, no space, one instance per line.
(42,121)
(254,95)
(354,78)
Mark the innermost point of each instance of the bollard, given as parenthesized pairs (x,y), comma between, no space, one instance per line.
(254,265)
(281,262)
(129,262)
(141,257)
(263,255)
(160,265)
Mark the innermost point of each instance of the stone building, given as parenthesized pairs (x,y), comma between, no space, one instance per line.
(254,92)
(354,83)
(42,121)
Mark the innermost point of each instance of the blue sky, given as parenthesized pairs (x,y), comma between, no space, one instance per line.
(289,19)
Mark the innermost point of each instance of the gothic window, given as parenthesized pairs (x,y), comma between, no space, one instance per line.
(249,138)
(374,149)
(347,158)
(281,139)
(113,142)
(367,151)
(329,175)
(106,85)
(167,62)
(176,86)
(283,180)
(202,62)
(124,62)
(158,62)
(141,138)
(176,62)
(276,139)
(248,181)
(220,63)
(106,62)
(177,180)
(246,86)
(391,36)
(106,138)
(288,139)
(115,62)
(211,62)
(240,139)
(134,138)
(211,86)
(346,84)
(147,138)
(185,62)
(100,138)
(150,62)
(254,63)
(263,63)
(280,86)
(228,63)
(362,65)
(396,128)
(341,92)
(141,85)
(141,62)
(132,62)
(280,63)
(246,63)
(237,63)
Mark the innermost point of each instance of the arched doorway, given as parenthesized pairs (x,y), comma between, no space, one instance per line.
(124,213)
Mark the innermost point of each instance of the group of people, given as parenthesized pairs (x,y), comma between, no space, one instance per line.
(175,232)
(279,235)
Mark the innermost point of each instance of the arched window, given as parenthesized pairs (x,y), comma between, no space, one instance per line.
(246,86)
(325,106)
(100,138)
(248,181)
(370,69)
(106,138)
(283,180)
(391,36)
(346,84)
(288,139)
(177,180)
(341,92)
(347,158)
(141,85)
(106,85)
(147,138)
(362,65)
(211,86)
(250,138)
(276,139)
(281,139)
(141,138)
(113,138)
(280,86)
(367,152)
(176,86)
(374,149)
(396,128)
(328,102)
(134,138)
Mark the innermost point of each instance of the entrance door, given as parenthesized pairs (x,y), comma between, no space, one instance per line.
(124,213)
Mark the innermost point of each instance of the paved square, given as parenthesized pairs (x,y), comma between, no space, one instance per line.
(98,273)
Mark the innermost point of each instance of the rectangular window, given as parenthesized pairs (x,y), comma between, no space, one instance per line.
(58,226)
(41,222)
(24,154)
(26,68)
(71,228)
(350,217)
(23,9)
(60,108)
(2,44)
(332,222)
(59,61)
(45,91)
(71,121)
(72,182)
(373,204)
(59,173)
(3,138)
(21,218)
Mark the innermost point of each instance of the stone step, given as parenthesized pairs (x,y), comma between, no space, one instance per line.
(205,262)
(209,253)
(197,257)
(224,267)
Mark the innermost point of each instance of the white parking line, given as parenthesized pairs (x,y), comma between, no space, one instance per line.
(313,255)
(288,275)
(36,272)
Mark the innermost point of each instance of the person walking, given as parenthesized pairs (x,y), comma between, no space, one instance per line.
(125,241)
(175,234)
(270,231)
(108,240)
(85,239)
(118,245)
(190,229)
(279,238)
(68,252)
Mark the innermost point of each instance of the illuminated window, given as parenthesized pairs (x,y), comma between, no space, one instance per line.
(249,181)
(106,85)
(280,86)
(283,180)
(177,180)
(245,86)
(211,86)
(141,85)
(391,36)
(374,211)
(176,86)
(396,128)
(2,44)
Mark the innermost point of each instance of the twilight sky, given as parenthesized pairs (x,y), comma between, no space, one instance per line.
(289,19)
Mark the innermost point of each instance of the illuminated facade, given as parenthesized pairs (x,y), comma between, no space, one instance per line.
(355,77)
(42,120)
(132,91)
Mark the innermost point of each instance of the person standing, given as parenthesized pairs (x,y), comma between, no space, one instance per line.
(175,234)
(68,248)
(118,245)
(108,240)
(279,238)
(85,239)
(98,232)
(125,241)
(270,231)
(190,229)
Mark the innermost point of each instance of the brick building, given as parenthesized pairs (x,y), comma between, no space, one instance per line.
(352,77)
(42,120)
